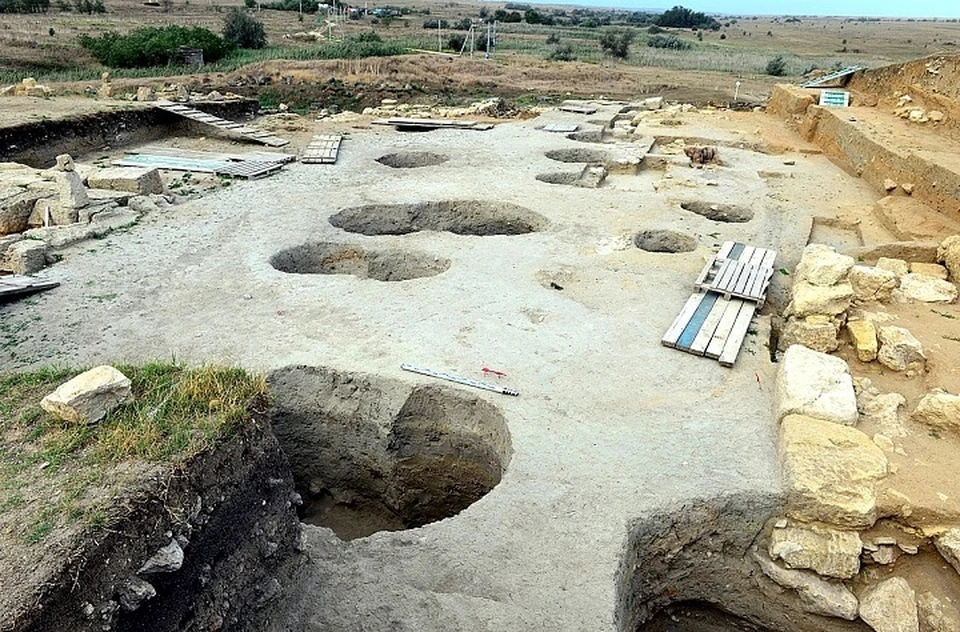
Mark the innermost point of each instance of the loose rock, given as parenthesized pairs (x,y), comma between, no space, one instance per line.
(822,265)
(134,592)
(817,595)
(934,270)
(863,335)
(810,299)
(948,544)
(88,397)
(25,257)
(897,266)
(873,284)
(167,559)
(899,350)
(817,332)
(828,552)
(890,606)
(948,253)
(936,615)
(926,289)
(939,409)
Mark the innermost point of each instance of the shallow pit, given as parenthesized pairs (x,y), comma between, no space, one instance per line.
(840,234)
(719,212)
(380,265)
(577,155)
(371,454)
(587,136)
(461,217)
(412,159)
(561,177)
(664,241)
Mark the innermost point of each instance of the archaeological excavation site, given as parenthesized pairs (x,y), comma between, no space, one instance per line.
(590,364)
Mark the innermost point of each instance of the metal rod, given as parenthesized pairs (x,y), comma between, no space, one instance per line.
(460,380)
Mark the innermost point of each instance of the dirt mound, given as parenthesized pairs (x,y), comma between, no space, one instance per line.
(664,241)
(412,159)
(380,265)
(462,217)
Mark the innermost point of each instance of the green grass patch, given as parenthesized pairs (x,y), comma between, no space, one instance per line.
(173,413)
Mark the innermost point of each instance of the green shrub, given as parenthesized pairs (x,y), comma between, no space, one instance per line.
(653,29)
(308,6)
(152,46)
(679,17)
(668,41)
(366,36)
(616,42)
(243,31)
(24,6)
(455,42)
(777,66)
(553,39)
(563,52)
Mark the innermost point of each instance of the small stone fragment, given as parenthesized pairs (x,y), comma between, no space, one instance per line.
(25,256)
(948,544)
(934,270)
(134,592)
(939,409)
(897,266)
(907,187)
(828,552)
(926,289)
(890,606)
(88,397)
(817,595)
(889,184)
(167,559)
(65,163)
(822,265)
(816,331)
(873,284)
(948,253)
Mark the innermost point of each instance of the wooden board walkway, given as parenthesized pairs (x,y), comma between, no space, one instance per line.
(323,149)
(577,109)
(840,74)
(560,128)
(250,169)
(16,286)
(731,287)
(250,133)
(177,152)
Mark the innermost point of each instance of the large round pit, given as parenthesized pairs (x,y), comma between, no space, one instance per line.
(461,217)
(412,159)
(380,265)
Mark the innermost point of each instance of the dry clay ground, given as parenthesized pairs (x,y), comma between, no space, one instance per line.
(609,425)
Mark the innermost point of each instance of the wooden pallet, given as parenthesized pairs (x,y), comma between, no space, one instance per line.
(250,133)
(715,319)
(250,169)
(16,286)
(577,109)
(323,149)
(192,154)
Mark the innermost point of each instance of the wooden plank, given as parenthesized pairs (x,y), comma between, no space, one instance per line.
(578,109)
(731,349)
(746,279)
(709,326)
(696,321)
(249,169)
(727,270)
(560,128)
(736,250)
(172,163)
(673,333)
(725,249)
(719,339)
(17,286)
(260,136)
(759,289)
(707,269)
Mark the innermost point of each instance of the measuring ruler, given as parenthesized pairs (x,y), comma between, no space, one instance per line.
(460,380)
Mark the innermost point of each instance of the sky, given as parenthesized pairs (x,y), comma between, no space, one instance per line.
(866,8)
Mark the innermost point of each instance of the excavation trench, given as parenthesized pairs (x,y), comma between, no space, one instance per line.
(462,217)
(668,241)
(364,263)
(694,568)
(719,212)
(370,454)
(578,155)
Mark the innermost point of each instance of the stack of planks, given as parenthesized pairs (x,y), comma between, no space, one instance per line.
(232,127)
(730,288)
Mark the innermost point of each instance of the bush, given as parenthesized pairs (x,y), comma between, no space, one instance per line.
(668,41)
(563,52)
(679,17)
(152,46)
(653,29)
(367,36)
(456,41)
(434,24)
(309,6)
(24,6)
(553,39)
(616,42)
(243,30)
(777,66)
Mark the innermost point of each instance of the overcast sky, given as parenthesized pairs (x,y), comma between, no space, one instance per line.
(878,8)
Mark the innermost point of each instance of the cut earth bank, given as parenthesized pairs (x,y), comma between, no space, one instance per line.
(630,475)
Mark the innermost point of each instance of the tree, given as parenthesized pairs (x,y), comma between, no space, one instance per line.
(616,42)
(243,30)
(679,17)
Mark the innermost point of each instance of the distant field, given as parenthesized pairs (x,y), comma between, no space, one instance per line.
(45,45)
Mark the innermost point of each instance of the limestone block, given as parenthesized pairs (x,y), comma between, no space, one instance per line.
(65,163)
(146,93)
(873,284)
(817,332)
(948,543)
(863,335)
(71,190)
(142,181)
(936,615)
(939,409)
(890,606)
(922,288)
(899,350)
(7,241)
(934,270)
(897,266)
(815,384)
(817,595)
(883,411)
(55,211)
(829,472)
(88,397)
(143,204)
(948,253)
(653,103)
(828,552)
(822,265)
(15,211)
(816,299)
(26,257)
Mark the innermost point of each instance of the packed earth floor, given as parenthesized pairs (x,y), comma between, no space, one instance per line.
(610,428)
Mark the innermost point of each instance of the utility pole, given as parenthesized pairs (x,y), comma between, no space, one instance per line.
(439,37)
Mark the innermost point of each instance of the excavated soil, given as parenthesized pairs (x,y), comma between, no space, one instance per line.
(664,241)
(462,217)
(412,159)
(719,212)
(371,454)
(380,265)
(560,177)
